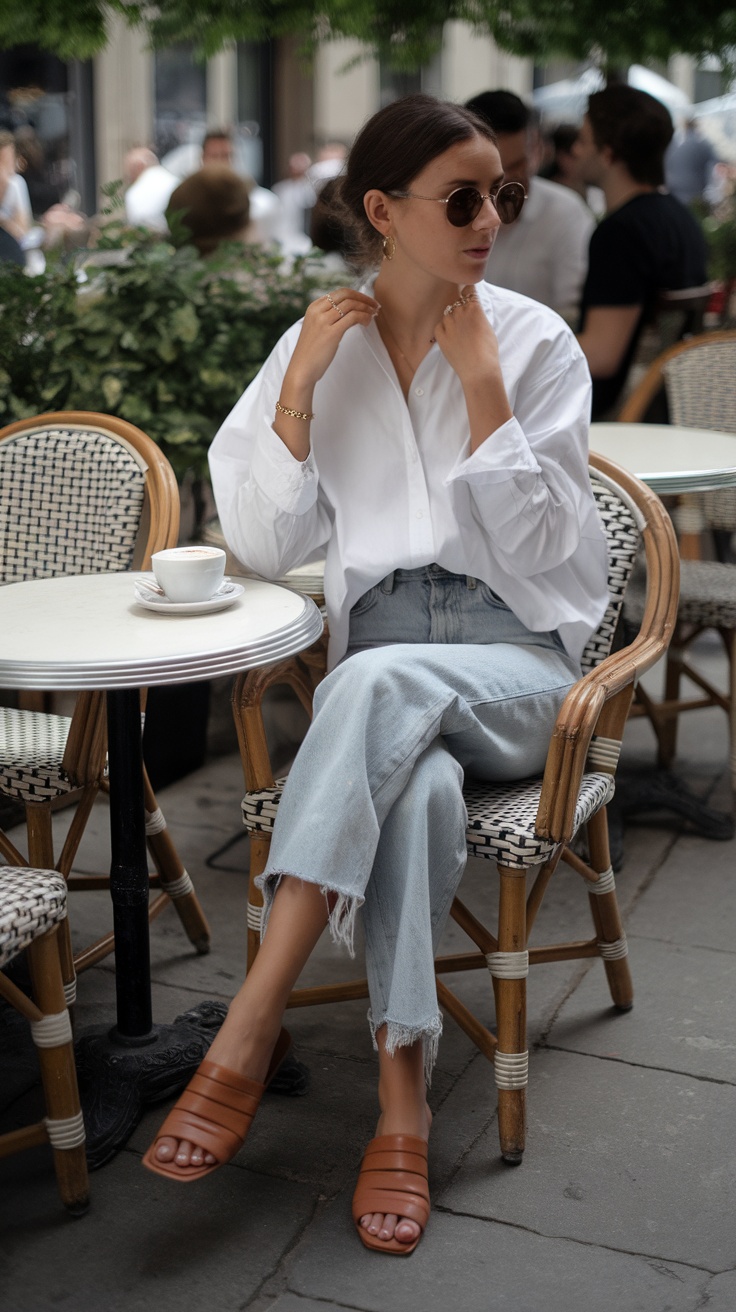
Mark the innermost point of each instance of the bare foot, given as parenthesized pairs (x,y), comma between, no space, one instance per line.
(386,1225)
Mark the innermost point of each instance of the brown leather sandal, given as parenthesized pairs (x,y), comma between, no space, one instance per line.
(215,1112)
(393,1180)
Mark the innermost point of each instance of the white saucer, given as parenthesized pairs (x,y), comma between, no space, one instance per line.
(226,594)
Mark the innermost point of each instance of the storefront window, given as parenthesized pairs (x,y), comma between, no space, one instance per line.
(180,104)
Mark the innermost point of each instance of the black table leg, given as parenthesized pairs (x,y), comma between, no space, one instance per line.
(136,1062)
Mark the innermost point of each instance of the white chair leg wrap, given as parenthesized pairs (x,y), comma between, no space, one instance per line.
(255,917)
(605,883)
(178,887)
(155,822)
(52,1031)
(70,992)
(508,965)
(511,1069)
(66,1134)
(603,753)
(614,951)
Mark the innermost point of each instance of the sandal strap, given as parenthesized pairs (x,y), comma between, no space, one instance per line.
(393,1179)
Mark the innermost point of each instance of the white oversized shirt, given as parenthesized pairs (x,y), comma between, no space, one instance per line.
(391,484)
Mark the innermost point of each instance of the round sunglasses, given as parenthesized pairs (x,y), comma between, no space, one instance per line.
(465,203)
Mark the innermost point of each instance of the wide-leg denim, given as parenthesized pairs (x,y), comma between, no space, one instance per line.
(440,680)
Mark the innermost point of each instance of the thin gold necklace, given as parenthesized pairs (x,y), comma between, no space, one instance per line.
(403,354)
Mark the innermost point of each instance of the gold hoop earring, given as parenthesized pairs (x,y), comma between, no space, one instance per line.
(389,247)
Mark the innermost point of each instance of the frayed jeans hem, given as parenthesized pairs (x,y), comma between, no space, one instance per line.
(399,1035)
(341,918)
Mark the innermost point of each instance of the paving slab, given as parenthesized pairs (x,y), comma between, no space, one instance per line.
(641,1161)
(164,1247)
(294,1303)
(683,1017)
(478,1265)
(695,899)
(720,1294)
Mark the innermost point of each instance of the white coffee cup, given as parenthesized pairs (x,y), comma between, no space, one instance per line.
(189,573)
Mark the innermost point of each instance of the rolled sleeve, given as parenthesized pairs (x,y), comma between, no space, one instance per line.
(290,484)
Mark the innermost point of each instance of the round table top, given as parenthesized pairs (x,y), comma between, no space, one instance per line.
(88,631)
(668,458)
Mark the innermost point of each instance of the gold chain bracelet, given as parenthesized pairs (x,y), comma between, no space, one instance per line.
(295,414)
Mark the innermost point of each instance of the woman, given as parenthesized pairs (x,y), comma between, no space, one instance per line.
(429,433)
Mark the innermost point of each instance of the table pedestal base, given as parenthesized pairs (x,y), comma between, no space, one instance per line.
(118,1076)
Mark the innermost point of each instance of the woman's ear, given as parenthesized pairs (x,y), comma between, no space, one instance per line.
(377,206)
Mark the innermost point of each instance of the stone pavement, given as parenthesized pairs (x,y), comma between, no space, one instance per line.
(626,1196)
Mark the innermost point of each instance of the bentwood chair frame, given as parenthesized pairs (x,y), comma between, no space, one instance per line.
(32,911)
(45,759)
(698,380)
(526,826)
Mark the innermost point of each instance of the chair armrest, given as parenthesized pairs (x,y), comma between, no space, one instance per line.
(301,673)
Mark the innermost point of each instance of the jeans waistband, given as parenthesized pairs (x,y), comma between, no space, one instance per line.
(423,572)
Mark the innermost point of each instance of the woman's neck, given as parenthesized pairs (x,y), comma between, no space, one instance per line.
(412,308)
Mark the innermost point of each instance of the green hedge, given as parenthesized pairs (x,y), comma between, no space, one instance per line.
(158,336)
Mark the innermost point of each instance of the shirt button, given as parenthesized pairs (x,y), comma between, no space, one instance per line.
(420,514)
(419,391)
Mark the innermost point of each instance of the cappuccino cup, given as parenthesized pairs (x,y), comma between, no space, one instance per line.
(189,573)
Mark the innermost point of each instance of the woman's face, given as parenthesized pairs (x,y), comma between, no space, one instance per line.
(423,234)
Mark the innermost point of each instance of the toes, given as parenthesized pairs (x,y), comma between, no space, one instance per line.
(165,1149)
(386,1230)
(184,1153)
(406,1232)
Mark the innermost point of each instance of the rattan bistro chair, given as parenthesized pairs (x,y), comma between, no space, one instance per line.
(521,826)
(81,493)
(32,908)
(698,379)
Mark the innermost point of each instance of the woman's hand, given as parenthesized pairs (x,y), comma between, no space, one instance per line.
(325,324)
(470,345)
(466,338)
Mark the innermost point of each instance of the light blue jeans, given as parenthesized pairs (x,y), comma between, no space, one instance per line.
(440,680)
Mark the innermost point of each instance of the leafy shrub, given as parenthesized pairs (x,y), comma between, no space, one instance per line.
(155,335)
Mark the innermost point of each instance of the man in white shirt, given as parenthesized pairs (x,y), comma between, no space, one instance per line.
(544,254)
(149,189)
(15,206)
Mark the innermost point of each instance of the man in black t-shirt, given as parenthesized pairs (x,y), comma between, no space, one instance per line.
(647,243)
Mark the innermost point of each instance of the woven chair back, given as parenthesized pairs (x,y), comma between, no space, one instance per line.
(701,393)
(71,501)
(621,524)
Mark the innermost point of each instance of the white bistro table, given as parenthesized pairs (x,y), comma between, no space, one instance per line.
(670,460)
(88,632)
(667,458)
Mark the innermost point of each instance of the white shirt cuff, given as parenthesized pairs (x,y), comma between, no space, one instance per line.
(289,483)
(504,454)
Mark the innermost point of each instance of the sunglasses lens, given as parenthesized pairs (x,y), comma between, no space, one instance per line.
(509,200)
(463,206)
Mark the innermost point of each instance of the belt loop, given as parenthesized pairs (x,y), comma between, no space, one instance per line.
(387,584)
(470,582)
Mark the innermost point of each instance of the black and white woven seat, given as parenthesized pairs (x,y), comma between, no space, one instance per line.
(698,378)
(32,907)
(501,817)
(524,827)
(33,746)
(81,494)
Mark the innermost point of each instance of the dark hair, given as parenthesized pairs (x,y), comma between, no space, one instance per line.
(212,205)
(504,111)
(391,149)
(326,229)
(636,128)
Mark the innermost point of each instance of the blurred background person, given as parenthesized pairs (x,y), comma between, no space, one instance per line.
(148,189)
(563,166)
(212,206)
(31,165)
(15,206)
(544,253)
(688,164)
(218,147)
(296,194)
